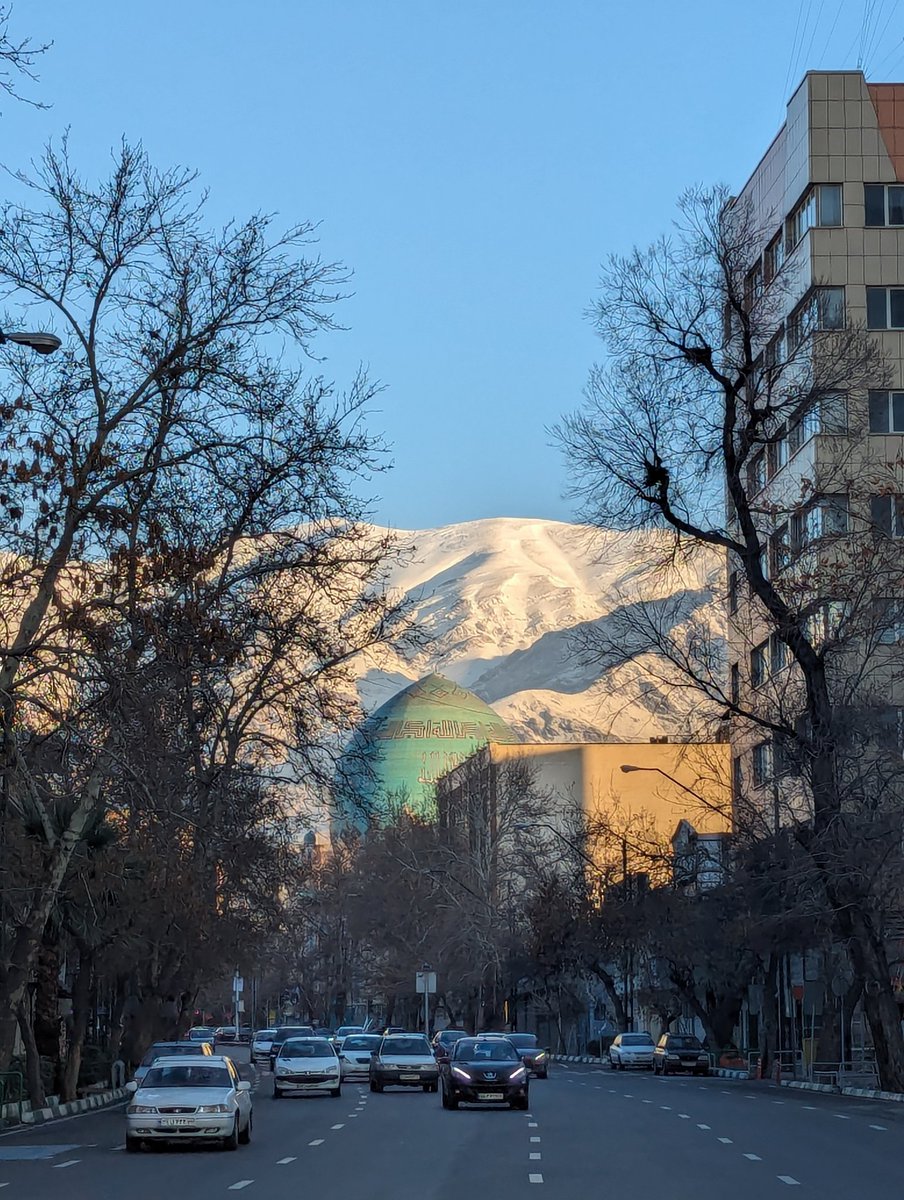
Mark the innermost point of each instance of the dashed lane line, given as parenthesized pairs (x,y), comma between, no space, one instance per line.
(339,1126)
(809,1107)
(535,1156)
(882,1127)
(532,1178)
(316,1142)
(753,1157)
(284,1162)
(532,1124)
(840,1117)
(242,1183)
(70,1162)
(535,1138)
(685,1116)
(699,1126)
(789,1179)
(726,1141)
(666,1107)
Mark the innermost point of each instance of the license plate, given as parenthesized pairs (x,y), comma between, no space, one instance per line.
(177,1121)
(409,1077)
(490,1096)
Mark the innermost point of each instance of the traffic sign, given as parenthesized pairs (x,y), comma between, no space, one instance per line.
(425,982)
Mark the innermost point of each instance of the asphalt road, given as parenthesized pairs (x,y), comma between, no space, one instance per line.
(590,1132)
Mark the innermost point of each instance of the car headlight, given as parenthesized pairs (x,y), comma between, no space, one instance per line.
(673,1057)
(542,1054)
(214,1108)
(518,1073)
(135,1109)
(461,1074)
(703,1058)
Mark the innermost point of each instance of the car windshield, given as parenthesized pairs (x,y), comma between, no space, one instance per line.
(684,1043)
(637,1039)
(476,1051)
(188,1075)
(405,1045)
(306,1048)
(361,1041)
(522,1041)
(264,1035)
(449,1036)
(280,1035)
(156,1052)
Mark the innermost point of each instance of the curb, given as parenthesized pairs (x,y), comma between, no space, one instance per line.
(720,1072)
(832,1090)
(71,1108)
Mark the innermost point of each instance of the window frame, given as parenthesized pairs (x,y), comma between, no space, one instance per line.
(895,504)
(885,223)
(759,664)
(872,291)
(889,395)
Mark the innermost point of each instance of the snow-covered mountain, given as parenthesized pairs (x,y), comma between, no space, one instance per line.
(504,603)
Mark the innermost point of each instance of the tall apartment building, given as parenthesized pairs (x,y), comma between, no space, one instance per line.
(827,200)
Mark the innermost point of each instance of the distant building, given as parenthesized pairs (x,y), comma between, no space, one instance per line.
(412,740)
(700,860)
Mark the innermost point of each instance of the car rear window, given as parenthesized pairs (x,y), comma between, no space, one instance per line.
(637,1039)
(306,1048)
(361,1041)
(684,1043)
(194,1075)
(156,1052)
(405,1045)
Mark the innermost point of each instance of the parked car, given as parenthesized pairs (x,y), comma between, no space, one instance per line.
(355,1052)
(444,1041)
(194,1099)
(534,1056)
(631,1050)
(170,1050)
(345,1030)
(201,1033)
(261,1043)
(282,1033)
(484,1071)
(680,1052)
(307,1064)
(403,1060)
(225,1033)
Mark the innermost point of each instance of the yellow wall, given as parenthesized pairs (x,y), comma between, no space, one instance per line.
(590,772)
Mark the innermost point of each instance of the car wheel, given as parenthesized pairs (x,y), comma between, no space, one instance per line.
(133,1145)
(336,1092)
(376,1087)
(245,1135)
(277,1094)
(434,1087)
(520,1103)
(428,1087)
(664,1068)
(232,1142)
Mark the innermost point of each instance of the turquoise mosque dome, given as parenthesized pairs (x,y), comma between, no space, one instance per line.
(404,747)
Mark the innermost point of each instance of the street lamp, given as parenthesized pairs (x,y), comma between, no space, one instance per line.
(627,768)
(41,343)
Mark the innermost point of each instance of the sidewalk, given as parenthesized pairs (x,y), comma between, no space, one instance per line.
(12,1115)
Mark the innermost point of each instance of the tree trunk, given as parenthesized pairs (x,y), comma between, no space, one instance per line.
(615,997)
(33,1082)
(81,1009)
(870,964)
(769,1023)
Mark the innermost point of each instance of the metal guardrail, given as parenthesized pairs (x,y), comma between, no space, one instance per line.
(12,1081)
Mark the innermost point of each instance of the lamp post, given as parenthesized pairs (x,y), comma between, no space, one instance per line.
(41,343)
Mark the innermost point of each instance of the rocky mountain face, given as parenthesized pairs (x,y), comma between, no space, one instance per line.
(509,605)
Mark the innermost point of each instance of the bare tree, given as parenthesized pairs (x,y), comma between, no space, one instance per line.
(706,387)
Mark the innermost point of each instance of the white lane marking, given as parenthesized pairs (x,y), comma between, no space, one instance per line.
(353,1114)
(282,1162)
(753,1157)
(535,1139)
(628,1095)
(789,1179)
(685,1116)
(237,1187)
(4,1185)
(840,1117)
(667,1107)
(612,1091)
(535,1156)
(778,1102)
(726,1141)
(70,1162)
(341,1126)
(316,1142)
(121,1146)
(532,1124)
(699,1126)
(646,1101)
(535,1179)
(725,1092)
(882,1127)
(809,1107)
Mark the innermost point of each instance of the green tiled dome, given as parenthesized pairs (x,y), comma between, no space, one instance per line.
(414,738)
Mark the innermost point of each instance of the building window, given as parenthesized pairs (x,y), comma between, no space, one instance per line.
(762,763)
(737,777)
(821,206)
(822,310)
(775,257)
(756,473)
(778,451)
(828,414)
(753,286)
(890,620)
(732,592)
(890,727)
(884,308)
(778,654)
(828,516)
(883,205)
(779,549)
(759,664)
(735,684)
(826,622)
(886,412)
(887,513)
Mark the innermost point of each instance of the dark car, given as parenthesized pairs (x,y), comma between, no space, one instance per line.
(283,1033)
(534,1056)
(445,1040)
(484,1071)
(680,1052)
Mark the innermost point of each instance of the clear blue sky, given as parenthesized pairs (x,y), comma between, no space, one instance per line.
(473,161)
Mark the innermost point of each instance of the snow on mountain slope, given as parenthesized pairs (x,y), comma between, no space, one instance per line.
(504,601)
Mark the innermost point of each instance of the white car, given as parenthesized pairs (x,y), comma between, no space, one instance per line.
(355,1053)
(307,1064)
(200,1099)
(261,1043)
(404,1060)
(632,1050)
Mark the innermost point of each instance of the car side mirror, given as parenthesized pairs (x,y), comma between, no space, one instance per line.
(243,1086)
(132,1086)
